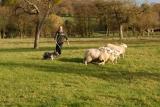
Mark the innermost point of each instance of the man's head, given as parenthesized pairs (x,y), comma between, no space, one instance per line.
(61,29)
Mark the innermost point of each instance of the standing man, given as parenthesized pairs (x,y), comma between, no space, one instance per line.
(59,39)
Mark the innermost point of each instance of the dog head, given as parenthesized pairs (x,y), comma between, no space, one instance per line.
(48,55)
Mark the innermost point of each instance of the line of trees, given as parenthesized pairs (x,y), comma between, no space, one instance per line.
(28,18)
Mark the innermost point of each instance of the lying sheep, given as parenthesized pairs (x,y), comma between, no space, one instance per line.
(121,48)
(96,55)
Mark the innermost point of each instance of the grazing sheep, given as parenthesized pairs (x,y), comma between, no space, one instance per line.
(96,55)
(109,50)
(114,54)
(90,55)
(104,57)
(121,48)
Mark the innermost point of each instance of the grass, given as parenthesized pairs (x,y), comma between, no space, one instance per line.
(27,80)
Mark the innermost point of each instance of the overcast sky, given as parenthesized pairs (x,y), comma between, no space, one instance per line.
(150,1)
(158,1)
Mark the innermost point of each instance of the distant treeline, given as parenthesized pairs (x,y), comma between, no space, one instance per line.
(81,18)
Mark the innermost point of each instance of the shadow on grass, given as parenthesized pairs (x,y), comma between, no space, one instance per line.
(25,49)
(40,49)
(144,45)
(65,48)
(73,60)
(101,72)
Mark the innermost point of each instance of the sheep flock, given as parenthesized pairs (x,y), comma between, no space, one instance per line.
(101,55)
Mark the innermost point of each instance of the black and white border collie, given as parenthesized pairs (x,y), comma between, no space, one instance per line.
(50,55)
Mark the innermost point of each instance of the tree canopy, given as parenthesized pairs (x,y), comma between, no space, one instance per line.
(38,18)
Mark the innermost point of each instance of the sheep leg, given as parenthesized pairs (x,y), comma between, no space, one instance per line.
(112,62)
(102,63)
(119,57)
(116,60)
(87,60)
(122,55)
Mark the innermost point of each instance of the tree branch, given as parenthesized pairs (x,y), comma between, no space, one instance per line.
(24,11)
(33,7)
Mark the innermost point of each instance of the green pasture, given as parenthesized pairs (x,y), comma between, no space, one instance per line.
(28,81)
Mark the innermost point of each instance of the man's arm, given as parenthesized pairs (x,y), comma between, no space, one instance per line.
(66,37)
(55,36)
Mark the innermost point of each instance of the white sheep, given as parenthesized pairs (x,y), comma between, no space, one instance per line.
(104,56)
(114,54)
(109,50)
(96,54)
(120,48)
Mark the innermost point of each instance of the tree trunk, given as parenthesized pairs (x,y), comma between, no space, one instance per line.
(148,32)
(37,36)
(39,26)
(106,30)
(121,32)
(133,31)
(113,33)
(143,33)
(21,34)
(3,33)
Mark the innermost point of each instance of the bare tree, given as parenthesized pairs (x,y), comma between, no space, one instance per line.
(146,19)
(85,14)
(4,17)
(41,9)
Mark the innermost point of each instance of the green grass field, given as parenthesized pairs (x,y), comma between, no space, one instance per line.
(27,80)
